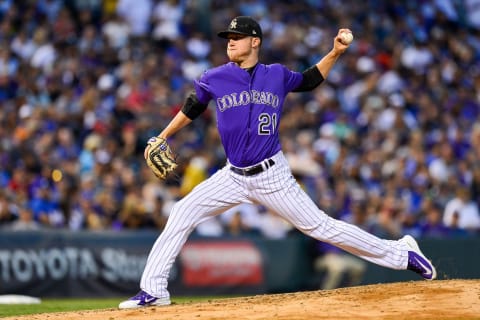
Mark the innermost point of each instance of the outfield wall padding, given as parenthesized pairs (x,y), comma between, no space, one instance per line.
(53,263)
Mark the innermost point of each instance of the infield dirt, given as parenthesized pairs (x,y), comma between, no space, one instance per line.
(442,299)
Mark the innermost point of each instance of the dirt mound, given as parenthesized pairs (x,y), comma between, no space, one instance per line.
(444,299)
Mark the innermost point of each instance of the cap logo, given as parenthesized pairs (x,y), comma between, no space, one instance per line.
(254,32)
(233,24)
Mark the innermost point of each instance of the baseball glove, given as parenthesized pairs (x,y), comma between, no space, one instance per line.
(160,157)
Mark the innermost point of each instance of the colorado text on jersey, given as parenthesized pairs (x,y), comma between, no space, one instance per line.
(247,97)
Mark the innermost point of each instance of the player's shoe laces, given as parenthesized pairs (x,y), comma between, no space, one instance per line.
(417,261)
(143,299)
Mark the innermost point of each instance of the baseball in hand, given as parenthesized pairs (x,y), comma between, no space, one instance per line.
(347,37)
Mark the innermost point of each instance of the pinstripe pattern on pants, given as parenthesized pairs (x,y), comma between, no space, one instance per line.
(277,190)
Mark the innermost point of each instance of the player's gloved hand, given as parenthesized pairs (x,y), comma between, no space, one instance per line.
(160,157)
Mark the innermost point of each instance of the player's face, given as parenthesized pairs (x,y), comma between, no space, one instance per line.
(239,47)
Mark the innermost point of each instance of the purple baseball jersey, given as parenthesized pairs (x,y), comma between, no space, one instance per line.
(249,108)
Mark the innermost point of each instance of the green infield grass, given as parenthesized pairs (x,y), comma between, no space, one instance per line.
(62,305)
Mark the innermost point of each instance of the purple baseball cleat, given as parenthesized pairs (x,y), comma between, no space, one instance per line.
(143,299)
(417,261)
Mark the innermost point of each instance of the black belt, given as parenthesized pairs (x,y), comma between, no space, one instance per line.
(251,171)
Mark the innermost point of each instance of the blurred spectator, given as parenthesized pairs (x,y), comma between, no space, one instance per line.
(116,30)
(87,158)
(82,204)
(194,173)
(66,147)
(44,55)
(472,9)
(158,216)
(431,223)
(8,212)
(273,226)
(25,221)
(49,8)
(44,205)
(5,5)
(212,227)
(133,214)
(137,14)
(63,28)
(22,45)
(339,268)
(90,41)
(386,223)
(243,219)
(461,212)
(167,19)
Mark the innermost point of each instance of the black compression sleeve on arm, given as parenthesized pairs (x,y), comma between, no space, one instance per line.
(192,108)
(311,79)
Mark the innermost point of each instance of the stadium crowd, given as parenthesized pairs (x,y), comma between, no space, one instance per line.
(390,141)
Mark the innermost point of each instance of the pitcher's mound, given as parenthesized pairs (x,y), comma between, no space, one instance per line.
(440,299)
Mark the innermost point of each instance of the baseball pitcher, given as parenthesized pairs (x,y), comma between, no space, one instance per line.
(249,99)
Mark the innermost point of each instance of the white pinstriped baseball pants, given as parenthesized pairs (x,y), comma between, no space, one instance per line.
(277,190)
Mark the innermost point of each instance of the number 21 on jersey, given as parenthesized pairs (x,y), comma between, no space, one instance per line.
(267,124)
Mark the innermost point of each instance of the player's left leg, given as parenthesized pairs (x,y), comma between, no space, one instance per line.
(209,198)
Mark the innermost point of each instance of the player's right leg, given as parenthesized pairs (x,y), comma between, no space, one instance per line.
(291,202)
(395,254)
(211,197)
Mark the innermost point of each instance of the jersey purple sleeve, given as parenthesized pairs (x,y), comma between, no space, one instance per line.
(292,79)
(202,89)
